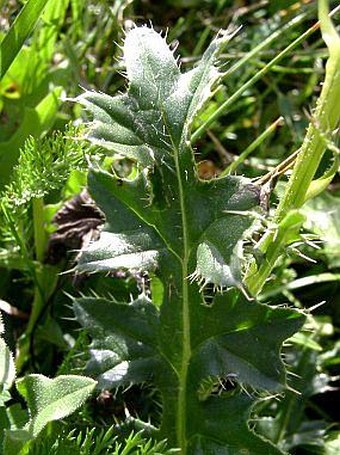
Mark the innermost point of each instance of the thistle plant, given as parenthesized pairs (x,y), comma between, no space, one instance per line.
(188,236)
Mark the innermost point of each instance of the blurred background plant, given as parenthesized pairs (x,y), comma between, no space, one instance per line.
(70,44)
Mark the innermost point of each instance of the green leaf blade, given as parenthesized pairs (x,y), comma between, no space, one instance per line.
(198,230)
(242,339)
(20,30)
(53,399)
(192,91)
(138,319)
(132,251)
(127,356)
(151,68)
(227,433)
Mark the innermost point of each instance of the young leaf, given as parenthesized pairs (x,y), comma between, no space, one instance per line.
(189,233)
(53,399)
(47,400)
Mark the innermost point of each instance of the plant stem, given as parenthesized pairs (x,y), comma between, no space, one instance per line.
(309,280)
(253,146)
(39,229)
(39,243)
(22,246)
(265,43)
(325,119)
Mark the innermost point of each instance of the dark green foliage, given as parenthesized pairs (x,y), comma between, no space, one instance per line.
(189,233)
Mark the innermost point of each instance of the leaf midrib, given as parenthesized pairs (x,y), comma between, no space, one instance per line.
(186,342)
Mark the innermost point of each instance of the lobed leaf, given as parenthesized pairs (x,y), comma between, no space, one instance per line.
(228,432)
(124,345)
(189,233)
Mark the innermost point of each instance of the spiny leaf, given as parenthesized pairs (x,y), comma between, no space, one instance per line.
(161,103)
(124,337)
(247,348)
(229,423)
(170,222)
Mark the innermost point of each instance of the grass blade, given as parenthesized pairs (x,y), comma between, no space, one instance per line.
(20,30)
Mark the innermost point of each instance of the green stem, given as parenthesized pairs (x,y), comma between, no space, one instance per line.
(35,275)
(300,283)
(201,42)
(325,119)
(39,243)
(22,246)
(253,146)
(266,43)
(39,228)
(234,97)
